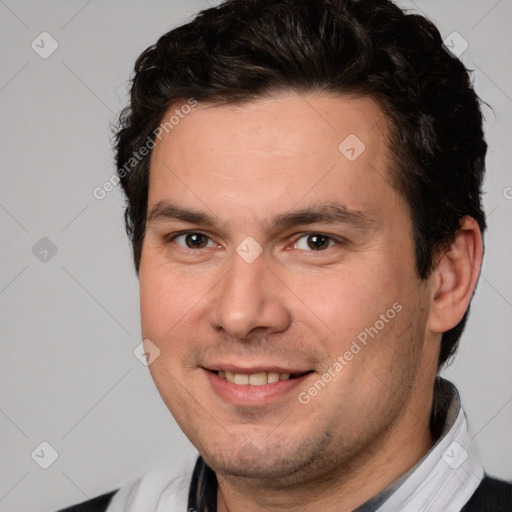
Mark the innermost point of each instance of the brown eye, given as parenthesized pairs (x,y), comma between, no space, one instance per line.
(316,242)
(191,240)
(196,240)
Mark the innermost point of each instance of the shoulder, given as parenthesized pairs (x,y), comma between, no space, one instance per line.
(166,484)
(492,495)
(98,504)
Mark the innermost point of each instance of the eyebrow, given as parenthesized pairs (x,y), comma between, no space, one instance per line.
(324,212)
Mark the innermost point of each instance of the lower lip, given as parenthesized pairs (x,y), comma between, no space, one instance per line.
(240,394)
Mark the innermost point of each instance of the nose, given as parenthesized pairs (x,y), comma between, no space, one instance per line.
(249,301)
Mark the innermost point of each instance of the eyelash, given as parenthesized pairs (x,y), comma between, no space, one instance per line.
(172,238)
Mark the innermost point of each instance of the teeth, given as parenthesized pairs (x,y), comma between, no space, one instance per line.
(240,378)
(254,379)
(257,379)
(272,377)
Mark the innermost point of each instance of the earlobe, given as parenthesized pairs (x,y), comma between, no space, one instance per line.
(455,276)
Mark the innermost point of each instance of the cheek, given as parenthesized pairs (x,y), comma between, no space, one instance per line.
(348,300)
(155,303)
(172,307)
(166,298)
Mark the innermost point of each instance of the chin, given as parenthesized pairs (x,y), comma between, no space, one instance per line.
(250,466)
(258,459)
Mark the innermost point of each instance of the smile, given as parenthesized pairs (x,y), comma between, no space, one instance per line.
(255,386)
(256,379)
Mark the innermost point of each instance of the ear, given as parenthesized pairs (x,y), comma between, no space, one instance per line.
(455,276)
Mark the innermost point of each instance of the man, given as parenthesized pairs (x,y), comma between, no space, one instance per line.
(303,183)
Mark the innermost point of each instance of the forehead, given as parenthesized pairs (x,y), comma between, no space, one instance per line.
(274,153)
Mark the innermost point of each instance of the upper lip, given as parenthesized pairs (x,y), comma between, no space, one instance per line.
(253,369)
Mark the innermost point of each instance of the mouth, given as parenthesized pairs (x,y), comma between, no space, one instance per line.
(259,378)
(256,386)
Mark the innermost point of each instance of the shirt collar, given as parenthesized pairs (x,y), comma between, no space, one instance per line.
(447,476)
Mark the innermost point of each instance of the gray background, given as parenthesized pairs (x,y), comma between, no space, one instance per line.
(69,325)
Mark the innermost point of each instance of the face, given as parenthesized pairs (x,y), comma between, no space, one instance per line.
(278,282)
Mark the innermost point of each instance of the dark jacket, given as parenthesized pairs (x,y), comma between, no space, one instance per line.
(492,495)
